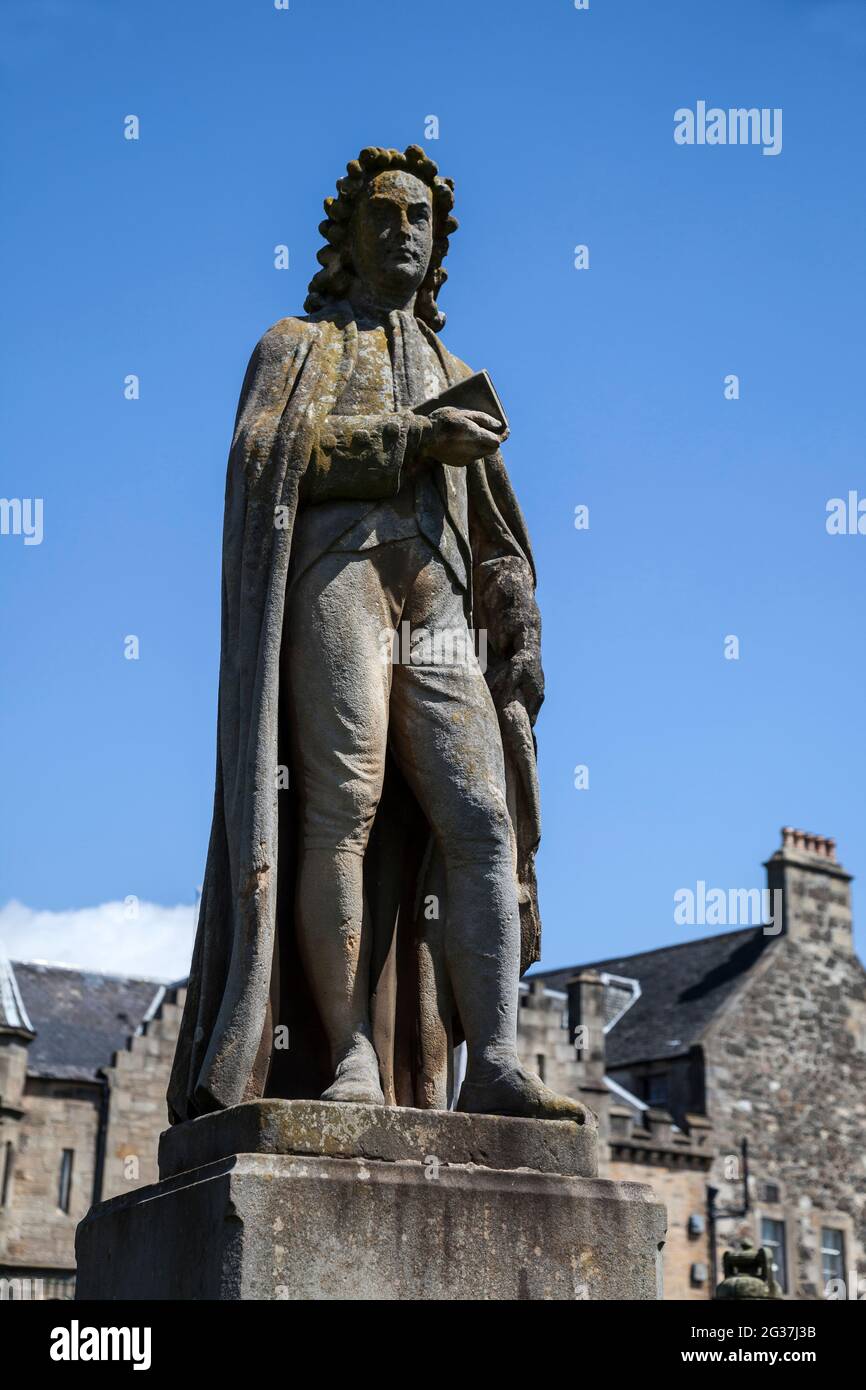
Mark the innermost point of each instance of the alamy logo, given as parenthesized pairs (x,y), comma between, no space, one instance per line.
(846,517)
(21,1289)
(426,648)
(739,125)
(734,907)
(22,516)
(77,1343)
(836,1289)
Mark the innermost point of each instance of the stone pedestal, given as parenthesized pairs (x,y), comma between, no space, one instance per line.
(307,1200)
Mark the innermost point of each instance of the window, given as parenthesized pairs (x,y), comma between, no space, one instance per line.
(656,1090)
(770,1193)
(8,1162)
(539,1065)
(773,1237)
(832,1254)
(65,1185)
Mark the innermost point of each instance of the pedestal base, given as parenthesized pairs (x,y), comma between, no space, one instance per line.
(305,1200)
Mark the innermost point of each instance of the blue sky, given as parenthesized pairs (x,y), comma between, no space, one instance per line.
(707,516)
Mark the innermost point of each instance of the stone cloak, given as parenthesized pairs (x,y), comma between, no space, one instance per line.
(246,977)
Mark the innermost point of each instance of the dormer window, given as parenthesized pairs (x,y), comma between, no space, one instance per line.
(656,1090)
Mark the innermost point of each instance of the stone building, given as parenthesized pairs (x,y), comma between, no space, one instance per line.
(687,1054)
(84,1060)
(640,1142)
(730,1073)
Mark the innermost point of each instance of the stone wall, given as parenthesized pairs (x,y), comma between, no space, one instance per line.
(542,1039)
(58,1115)
(35,1234)
(636,1145)
(137,1112)
(13,1079)
(786,1070)
(675,1163)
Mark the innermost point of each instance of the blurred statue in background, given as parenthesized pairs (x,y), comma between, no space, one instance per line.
(748,1274)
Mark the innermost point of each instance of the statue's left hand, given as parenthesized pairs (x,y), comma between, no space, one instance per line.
(520,678)
(506,607)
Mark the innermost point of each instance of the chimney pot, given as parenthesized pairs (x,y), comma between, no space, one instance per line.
(806,843)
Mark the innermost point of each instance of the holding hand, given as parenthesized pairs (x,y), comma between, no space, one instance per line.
(459,437)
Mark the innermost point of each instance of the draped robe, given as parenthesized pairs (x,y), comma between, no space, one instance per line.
(247,994)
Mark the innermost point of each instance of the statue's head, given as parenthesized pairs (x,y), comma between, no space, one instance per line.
(388,228)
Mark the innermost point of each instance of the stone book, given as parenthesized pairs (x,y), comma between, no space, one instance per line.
(477,392)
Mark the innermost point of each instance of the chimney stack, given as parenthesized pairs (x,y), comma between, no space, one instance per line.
(816,890)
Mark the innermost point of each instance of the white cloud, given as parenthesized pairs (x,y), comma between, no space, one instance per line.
(120,938)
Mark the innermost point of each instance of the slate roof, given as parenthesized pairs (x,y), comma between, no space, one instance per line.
(682,988)
(81,1018)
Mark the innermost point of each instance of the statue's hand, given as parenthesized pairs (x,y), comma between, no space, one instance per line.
(520,678)
(505,607)
(459,437)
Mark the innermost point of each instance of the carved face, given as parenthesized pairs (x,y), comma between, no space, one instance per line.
(392,235)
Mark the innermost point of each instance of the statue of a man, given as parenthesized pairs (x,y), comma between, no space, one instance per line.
(372,908)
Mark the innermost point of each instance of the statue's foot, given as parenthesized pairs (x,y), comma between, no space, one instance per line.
(357,1078)
(518,1092)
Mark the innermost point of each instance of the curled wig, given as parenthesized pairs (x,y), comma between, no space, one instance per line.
(333,280)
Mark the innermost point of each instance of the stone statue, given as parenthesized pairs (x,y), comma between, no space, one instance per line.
(748,1274)
(369,899)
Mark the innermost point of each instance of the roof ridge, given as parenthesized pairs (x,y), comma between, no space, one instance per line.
(91,970)
(656,950)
